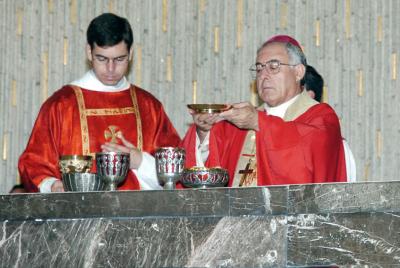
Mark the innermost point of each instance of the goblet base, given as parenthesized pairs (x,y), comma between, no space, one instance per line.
(169,185)
(111,187)
(168,180)
(111,181)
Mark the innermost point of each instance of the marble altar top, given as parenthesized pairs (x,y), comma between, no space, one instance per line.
(215,202)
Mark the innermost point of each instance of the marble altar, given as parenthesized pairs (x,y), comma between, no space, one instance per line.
(355,224)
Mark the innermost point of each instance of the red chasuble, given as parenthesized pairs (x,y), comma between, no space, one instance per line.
(79,121)
(308,149)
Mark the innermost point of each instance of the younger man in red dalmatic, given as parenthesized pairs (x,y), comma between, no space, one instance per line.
(101,111)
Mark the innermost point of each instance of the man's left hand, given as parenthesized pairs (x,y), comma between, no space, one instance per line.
(134,154)
(243,115)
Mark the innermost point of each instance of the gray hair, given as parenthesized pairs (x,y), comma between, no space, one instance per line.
(296,55)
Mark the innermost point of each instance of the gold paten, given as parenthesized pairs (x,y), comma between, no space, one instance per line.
(209,108)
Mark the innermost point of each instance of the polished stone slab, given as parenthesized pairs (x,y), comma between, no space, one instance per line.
(344,197)
(172,242)
(365,238)
(316,225)
(172,203)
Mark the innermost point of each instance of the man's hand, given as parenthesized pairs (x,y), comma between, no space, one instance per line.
(134,154)
(243,115)
(57,186)
(204,122)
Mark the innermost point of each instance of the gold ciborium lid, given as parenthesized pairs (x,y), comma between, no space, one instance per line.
(75,163)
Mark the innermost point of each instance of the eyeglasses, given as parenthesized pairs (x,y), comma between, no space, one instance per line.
(118,60)
(272,67)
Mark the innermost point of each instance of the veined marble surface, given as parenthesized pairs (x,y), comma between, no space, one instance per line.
(284,226)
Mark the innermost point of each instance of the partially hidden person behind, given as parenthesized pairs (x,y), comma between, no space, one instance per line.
(100,112)
(290,139)
(17,189)
(314,84)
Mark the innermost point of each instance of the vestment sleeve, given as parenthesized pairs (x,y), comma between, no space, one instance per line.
(306,150)
(40,158)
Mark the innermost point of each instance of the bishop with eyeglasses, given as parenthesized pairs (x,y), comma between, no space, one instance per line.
(289,139)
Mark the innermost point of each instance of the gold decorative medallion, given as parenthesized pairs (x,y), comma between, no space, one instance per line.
(112,133)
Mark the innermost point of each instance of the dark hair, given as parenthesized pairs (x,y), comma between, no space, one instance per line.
(314,81)
(108,30)
(18,188)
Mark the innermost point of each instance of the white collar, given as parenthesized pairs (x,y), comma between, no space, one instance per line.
(90,81)
(280,110)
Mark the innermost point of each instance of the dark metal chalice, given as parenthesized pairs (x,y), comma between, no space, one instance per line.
(112,168)
(170,162)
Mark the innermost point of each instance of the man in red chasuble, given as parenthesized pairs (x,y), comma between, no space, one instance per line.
(290,139)
(99,112)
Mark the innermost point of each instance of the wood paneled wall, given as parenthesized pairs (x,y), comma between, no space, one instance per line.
(200,51)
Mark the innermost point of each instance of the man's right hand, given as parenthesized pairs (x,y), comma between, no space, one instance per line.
(57,186)
(204,122)
(135,155)
(243,115)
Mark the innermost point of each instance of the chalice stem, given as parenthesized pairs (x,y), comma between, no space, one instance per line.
(112,186)
(169,185)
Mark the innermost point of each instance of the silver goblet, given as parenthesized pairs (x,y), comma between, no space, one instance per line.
(170,162)
(112,168)
(82,182)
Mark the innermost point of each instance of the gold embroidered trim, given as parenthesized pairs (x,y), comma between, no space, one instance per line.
(83,113)
(246,168)
(84,124)
(249,174)
(138,120)
(99,112)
